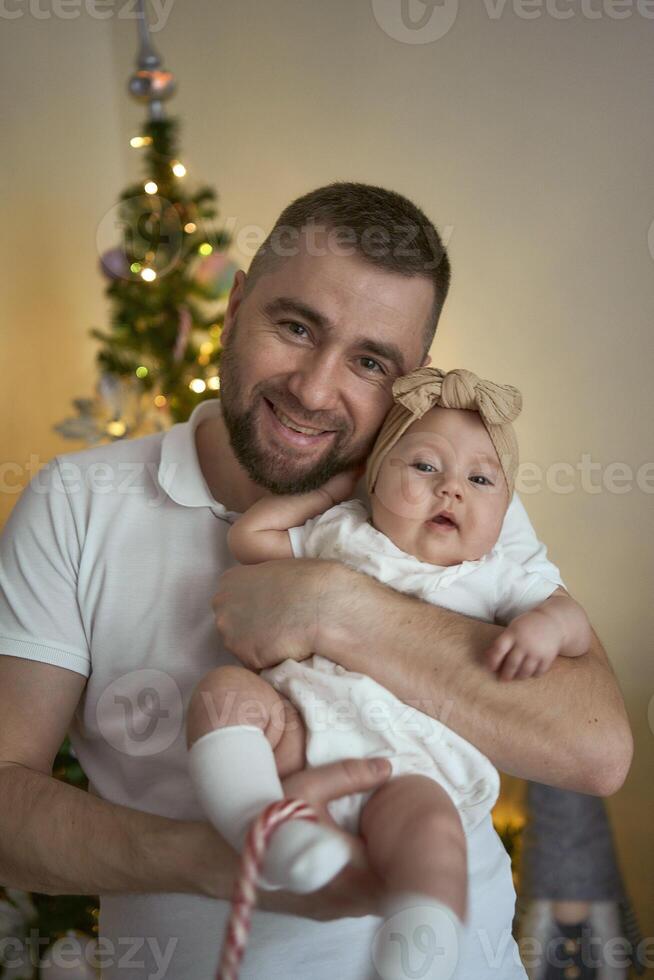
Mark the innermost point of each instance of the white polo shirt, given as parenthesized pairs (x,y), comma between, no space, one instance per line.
(108,565)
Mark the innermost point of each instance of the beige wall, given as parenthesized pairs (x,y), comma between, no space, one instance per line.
(529,141)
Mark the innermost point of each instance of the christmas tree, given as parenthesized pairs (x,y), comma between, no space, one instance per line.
(169,277)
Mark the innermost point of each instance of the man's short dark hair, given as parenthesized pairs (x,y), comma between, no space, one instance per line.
(381,226)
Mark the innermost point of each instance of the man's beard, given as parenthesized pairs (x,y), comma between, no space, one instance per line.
(268,468)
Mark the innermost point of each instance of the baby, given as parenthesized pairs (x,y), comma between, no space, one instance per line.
(440,478)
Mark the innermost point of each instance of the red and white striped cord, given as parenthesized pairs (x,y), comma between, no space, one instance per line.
(245,889)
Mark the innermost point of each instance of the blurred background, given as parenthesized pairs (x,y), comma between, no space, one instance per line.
(524,131)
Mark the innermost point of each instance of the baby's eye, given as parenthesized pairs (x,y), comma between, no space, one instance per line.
(424,467)
(485,481)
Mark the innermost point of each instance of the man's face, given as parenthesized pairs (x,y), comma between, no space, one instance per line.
(309,358)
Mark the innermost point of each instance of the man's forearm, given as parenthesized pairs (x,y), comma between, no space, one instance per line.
(567,728)
(56,839)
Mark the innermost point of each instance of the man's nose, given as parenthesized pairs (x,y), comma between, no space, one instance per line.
(315,382)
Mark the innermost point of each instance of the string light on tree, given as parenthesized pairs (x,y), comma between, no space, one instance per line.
(198,386)
(178,169)
(150,187)
(116,429)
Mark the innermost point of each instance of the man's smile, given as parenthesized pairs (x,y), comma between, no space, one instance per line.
(295,433)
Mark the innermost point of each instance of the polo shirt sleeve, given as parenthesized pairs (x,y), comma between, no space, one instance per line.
(40,550)
(518,541)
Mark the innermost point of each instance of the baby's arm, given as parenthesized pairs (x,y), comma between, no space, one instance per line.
(531,642)
(261,533)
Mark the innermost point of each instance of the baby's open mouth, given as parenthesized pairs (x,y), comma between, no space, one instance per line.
(444,520)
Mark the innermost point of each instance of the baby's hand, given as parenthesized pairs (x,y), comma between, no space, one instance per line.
(341,487)
(527,647)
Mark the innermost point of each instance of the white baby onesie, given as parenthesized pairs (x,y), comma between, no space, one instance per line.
(350,715)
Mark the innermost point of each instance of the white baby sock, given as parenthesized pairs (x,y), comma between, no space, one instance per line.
(235,777)
(420,938)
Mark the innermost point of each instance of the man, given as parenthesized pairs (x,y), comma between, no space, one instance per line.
(114,584)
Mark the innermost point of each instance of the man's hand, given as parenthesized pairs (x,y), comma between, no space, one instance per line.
(356,890)
(277,610)
(527,647)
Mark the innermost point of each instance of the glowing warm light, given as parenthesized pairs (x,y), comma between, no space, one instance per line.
(198,386)
(148,274)
(160,401)
(116,428)
(205,248)
(150,187)
(137,141)
(190,227)
(141,371)
(178,168)
(135,267)
(214,383)
(206,347)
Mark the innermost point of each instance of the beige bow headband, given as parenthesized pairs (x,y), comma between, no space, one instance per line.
(416,393)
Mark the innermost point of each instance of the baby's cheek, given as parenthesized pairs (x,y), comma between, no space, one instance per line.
(481,539)
(400,493)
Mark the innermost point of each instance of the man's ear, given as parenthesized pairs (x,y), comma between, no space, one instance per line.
(235,300)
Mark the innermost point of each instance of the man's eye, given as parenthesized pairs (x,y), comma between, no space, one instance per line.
(296,328)
(371,365)
(486,482)
(424,467)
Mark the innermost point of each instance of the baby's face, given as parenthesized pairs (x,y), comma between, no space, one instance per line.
(445,463)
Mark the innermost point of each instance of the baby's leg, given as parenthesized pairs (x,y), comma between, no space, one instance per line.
(234,696)
(416,844)
(242,736)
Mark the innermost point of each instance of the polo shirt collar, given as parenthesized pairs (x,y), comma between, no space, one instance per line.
(180,475)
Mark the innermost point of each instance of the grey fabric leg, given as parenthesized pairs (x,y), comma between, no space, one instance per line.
(568,852)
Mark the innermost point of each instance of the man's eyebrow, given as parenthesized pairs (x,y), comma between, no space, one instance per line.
(389,351)
(284,304)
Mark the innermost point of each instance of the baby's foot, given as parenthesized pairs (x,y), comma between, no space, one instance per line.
(420,938)
(302,856)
